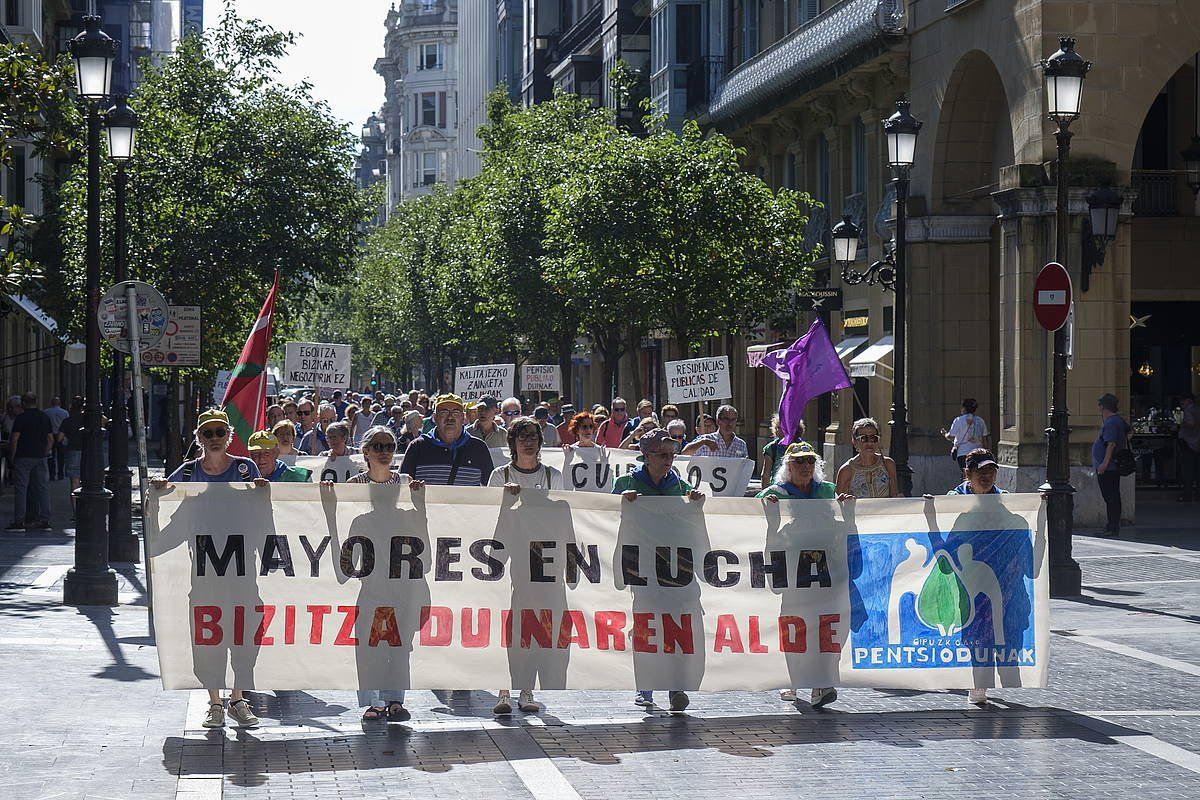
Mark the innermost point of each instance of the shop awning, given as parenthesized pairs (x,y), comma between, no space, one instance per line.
(868,363)
(846,347)
(755,353)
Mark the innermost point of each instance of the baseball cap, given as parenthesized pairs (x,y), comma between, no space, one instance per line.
(449,400)
(655,440)
(979,459)
(567,408)
(541,412)
(212,415)
(487,401)
(262,440)
(799,451)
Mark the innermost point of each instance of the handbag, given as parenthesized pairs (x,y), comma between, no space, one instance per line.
(1124,462)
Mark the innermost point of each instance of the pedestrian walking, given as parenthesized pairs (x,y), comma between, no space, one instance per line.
(524,471)
(71,435)
(801,476)
(1113,438)
(448,455)
(654,477)
(57,415)
(1189,448)
(30,442)
(967,432)
(216,465)
(868,473)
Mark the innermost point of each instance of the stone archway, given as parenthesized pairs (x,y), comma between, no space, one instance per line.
(974,138)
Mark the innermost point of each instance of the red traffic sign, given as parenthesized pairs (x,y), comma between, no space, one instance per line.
(1052,296)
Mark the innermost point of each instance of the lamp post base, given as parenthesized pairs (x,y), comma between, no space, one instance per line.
(1066,580)
(123,544)
(90,588)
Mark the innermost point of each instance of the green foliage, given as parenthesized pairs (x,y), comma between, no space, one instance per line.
(37,112)
(577,226)
(235,176)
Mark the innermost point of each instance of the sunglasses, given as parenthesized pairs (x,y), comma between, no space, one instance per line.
(305,413)
(510,413)
(382,447)
(215,433)
(867,438)
(618,408)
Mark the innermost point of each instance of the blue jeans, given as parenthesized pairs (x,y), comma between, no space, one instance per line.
(31,473)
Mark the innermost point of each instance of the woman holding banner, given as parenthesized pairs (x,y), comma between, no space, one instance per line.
(801,476)
(215,465)
(525,471)
(869,473)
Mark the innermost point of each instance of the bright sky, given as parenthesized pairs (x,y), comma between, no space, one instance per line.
(336,48)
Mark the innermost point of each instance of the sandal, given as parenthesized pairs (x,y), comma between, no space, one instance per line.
(396,712)
(374,713)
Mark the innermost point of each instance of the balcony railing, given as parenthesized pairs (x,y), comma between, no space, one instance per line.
(1157,193)
(703,75)
(579,34)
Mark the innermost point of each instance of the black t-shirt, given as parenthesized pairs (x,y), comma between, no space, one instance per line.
(72,429)
(34,426)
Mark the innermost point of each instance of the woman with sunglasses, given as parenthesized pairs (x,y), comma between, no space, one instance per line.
(869,473)
(379,448)
(215,465)
(583,427)
(525,471)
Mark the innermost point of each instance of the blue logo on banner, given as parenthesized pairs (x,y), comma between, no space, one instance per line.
(933,600)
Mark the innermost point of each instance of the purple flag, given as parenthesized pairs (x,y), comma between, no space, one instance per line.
(808,368)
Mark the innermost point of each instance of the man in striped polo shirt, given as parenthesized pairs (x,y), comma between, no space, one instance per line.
(448,455)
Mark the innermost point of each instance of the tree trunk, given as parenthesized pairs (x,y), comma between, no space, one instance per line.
(633,346)
(565,349)
(172,452)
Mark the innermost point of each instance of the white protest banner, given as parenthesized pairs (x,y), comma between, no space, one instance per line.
(594,469)
(496,380)
(697,380)
(316,364)
(541,378)
(297,587)
(338,469)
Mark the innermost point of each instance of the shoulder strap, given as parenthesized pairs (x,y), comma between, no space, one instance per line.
(188,466)
(506,478)
(453,467)
(547,475)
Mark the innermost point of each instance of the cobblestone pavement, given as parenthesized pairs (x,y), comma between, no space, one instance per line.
(86,716)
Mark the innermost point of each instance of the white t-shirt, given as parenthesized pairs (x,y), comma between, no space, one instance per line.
(968,431)
(527,480)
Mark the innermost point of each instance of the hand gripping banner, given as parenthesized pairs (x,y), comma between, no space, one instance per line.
(297,586)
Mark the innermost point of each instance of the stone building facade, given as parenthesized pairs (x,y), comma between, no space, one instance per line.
(804,86)
(420,110)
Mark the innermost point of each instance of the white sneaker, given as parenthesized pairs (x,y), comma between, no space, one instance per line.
(503,705)
(978,697)
(822,697)
(527,703)
(241,711)
(788,695)
(215,716)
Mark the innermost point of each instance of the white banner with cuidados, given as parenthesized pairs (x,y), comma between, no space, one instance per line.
(595,469)
(295,586)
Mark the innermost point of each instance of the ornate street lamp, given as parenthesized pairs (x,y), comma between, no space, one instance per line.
(900,130)
(1064,72)
(1104,208)
(90,581)
(121,124)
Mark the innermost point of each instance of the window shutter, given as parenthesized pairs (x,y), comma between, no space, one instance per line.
(812,8)
(441,109)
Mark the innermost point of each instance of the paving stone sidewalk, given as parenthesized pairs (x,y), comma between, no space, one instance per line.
(86,716)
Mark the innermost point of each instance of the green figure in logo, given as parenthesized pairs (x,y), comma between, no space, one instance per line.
(944,602)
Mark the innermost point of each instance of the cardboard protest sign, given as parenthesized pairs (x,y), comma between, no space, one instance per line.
(496,380)
(316,364)
(541,378)
(698,380)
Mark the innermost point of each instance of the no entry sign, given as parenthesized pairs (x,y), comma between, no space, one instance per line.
(1052,296)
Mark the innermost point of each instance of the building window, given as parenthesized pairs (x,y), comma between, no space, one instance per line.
(12,13)
(429,169)
(429,109)
(429,6)
(15,191)
(688,34)
(809,9)
(430,56)
(789,171)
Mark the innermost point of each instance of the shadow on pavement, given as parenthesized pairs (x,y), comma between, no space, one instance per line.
(249,759)
(120,669)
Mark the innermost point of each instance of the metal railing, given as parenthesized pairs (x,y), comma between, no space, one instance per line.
(1157,193)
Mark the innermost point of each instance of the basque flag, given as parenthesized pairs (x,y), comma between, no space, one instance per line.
(245,399)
